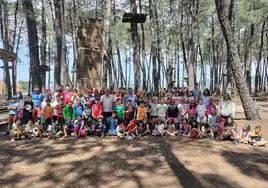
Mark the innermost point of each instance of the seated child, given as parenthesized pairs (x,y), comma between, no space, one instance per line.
(17,130)
(229,131)
(256,137)
(132,130)
(91,126)
(29,129)
(206,131)
(120,129)
(244,136)
(50,132)
(212,118)
(100,126)
(79,127)
(219,123)
(171,127)
(68,127)
(144,128)
(112,122)
(194,131)
(159,128)
(184,127)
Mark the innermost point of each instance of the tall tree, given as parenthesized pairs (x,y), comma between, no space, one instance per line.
(6,46)
(33,43)
(222,7)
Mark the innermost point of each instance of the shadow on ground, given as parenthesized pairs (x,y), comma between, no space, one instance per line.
(94,162)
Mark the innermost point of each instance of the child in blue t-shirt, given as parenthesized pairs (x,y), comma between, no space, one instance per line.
(68,127)
(112,122)
(12,112)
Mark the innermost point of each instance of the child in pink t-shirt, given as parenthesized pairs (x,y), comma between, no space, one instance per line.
(192,111)
(184,127)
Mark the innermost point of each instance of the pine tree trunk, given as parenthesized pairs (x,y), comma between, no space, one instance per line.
(33,43)
(43,46)
(59,43)
(258,73)
(247,102)
(136,58)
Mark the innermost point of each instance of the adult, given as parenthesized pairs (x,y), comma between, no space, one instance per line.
(37,98)
(96,93)
(107,101)
(206,96)
(197,91)
(90,96)
(67,94)
(130,96)
(227,107)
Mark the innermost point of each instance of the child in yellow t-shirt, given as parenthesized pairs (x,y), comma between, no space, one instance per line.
(256,137)
(141,113)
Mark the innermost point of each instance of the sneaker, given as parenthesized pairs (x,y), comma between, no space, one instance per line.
(262,143)
(7,133)
(235,141)
(12,140)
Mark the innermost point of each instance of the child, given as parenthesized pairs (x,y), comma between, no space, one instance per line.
(210,106)
(171,128)
(219,123)
(27,112)
(192,111)
(206,131)
(256,137)
(91,126)
(68,111)
(244,136)
(79,108)
(212,122)
(184,127)
(88,110)
(162,110)
(182,109)
(68,127)
(29,129)
(159,128)
(120,129)
(144,128)
(50,132)
(47,113)
(141,113)
(229,130)
(59,111)
(112,122)
(132,131)
(17,130)
(172,112)
(96,108)
(128,114)
(119,108)
(12,112)
(194,131)
(100,127)
(201,112)
(78,126)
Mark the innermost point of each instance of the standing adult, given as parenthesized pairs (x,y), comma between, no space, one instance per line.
(197,91)
(37,98)
(107,101)
(67,94)
(227,107)
(130,96)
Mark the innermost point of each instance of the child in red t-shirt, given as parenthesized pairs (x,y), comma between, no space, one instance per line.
(96,108)
(132,130)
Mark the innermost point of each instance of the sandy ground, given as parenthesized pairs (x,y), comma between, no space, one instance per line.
(147,162)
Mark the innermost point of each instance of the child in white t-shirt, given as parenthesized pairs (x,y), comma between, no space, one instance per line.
(201,112)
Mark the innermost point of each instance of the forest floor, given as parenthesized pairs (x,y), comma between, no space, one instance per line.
(147,162)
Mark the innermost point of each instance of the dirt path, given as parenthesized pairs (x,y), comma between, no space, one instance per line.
(148,162)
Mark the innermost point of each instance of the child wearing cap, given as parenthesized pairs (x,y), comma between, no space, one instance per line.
(96,108)
(132,129)
(159,127)
(100,126)
(12,112)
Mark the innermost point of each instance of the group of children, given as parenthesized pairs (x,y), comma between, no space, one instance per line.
(180,116)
